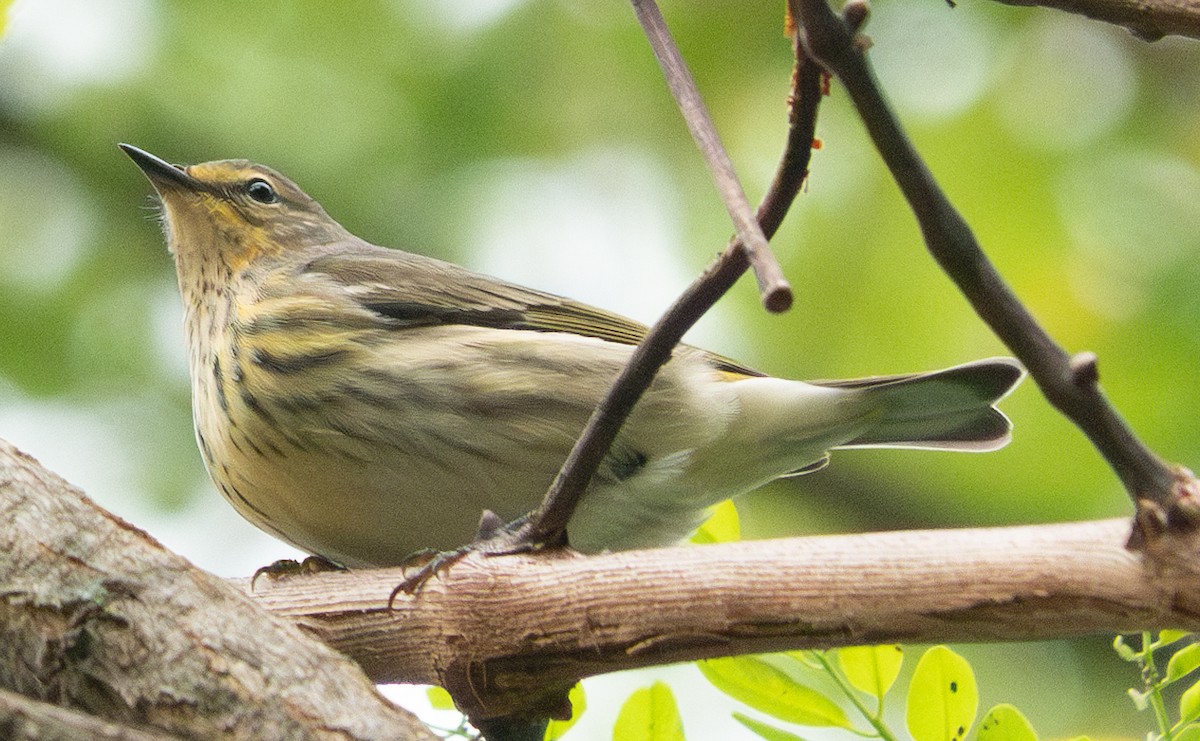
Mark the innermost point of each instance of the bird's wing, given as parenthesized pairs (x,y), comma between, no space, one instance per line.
(414,291)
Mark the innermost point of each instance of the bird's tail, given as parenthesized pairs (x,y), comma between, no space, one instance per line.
(951,409)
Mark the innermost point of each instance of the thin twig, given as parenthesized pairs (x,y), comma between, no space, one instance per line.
(655,350)
(1148,19)
(1069,383)
(774,288)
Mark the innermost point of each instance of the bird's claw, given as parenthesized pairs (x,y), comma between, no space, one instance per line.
(287,567)
(493,538)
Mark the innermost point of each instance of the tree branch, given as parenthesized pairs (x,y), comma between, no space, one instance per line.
(504,633)
(1149,19)
(776,293)
(23,719)
(1069,383)
(96,616)
(655,350)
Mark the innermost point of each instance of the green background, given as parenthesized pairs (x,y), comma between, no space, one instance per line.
(534,139)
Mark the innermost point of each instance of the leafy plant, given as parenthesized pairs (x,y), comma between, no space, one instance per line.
(1152,694)
(942,702)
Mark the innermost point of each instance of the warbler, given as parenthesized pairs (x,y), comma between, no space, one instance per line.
(364,403)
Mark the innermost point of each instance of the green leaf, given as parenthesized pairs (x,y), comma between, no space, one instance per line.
(1183,661)
(1170,636)
(649,714)
(1123,649)
(1005,723)
(763,687)
(722,526)
(556,728)
(871,669)
(942,697)
(806,658)
(1189,704)
(765,730)
(439,698)
(1189,733)
(4,6)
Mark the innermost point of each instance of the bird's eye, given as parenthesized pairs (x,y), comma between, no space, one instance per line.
(261,191)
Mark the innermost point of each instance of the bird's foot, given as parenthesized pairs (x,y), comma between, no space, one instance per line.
(286,567)
(494,537)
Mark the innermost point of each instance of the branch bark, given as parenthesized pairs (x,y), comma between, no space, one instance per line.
(1149,19)
(24,719)
(96,616)
(505,633)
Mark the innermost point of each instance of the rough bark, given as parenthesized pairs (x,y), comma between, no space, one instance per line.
(25,719)
(95,615)
(502,633)
(1149,19)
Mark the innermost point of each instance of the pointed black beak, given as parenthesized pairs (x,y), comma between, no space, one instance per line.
(162,174)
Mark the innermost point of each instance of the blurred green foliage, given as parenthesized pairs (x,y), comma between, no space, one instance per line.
(532,137)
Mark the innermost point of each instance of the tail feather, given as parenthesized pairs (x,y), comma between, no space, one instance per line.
(951,409)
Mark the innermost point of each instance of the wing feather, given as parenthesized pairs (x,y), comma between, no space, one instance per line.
(413,290)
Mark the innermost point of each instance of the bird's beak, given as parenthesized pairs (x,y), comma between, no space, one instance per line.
(162,174)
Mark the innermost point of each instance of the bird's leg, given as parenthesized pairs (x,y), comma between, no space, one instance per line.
(494,537)
(286,567)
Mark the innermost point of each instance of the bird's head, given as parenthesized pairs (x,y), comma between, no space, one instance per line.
(233,211)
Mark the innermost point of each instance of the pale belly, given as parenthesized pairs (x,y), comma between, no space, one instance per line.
(364,485)
(373,510)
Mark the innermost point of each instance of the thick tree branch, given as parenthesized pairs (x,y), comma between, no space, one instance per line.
(24,719)
(96,616)
(1149,19)
(502,633)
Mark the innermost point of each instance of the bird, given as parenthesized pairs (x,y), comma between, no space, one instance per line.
(365,403)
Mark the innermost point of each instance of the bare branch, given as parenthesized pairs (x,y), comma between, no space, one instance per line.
(655,350)
(503,632)
(776,293)
(1070,385)
(1149,19)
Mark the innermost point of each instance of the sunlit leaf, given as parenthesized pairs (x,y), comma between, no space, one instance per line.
(1183,661)
(763,687)
(1189,703)
(1005,723)
(556,728)
(1123,649)
(766,730)
(806,658)
(872,669)
(942,697)
(650,714)
(4,6)
(722,526)
(439,698)
(1170,636)
(1189,733)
